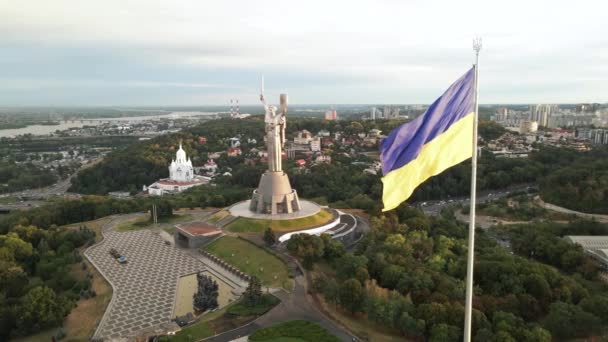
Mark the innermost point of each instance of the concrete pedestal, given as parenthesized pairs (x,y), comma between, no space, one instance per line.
(274,195)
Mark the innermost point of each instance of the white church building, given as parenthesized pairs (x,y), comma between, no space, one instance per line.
(181,176)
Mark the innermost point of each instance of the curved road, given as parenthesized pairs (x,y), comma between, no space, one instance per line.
(294,306)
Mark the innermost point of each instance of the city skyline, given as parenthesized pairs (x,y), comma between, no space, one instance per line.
(157,54)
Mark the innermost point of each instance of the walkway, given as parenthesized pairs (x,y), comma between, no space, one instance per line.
(145,287)
(597,217)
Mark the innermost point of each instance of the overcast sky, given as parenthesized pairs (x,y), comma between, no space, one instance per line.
(204,52)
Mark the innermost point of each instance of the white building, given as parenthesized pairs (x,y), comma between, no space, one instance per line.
(324,133)
(181,176)
(315,144)
(528,127)
(303,137)
(594,246)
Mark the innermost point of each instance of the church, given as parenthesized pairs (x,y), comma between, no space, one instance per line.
(181,177)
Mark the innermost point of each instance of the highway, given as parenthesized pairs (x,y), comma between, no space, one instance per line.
(434,207)
(32,198)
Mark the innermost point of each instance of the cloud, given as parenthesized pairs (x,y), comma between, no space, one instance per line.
(128,52)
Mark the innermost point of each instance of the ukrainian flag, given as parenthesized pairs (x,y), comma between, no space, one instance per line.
(426,146)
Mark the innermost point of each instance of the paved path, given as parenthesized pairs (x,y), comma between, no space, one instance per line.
(485,222)
(598,217)
(294,306)
(145,287)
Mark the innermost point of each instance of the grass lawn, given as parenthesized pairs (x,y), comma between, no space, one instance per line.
(252,260)
(267,302)
(194,332)
(229,317)
(242,225)
(95,225)
(8,199)
(145,222)
(80,324)
(293,331)
(170,230)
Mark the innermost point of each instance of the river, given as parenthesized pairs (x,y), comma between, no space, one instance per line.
(63,125)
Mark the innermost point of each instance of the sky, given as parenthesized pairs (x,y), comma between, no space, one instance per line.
(204,52)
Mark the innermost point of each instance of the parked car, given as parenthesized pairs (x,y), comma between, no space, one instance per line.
(120,258)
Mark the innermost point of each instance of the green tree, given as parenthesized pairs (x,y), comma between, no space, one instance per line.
(269,237)
(411,326)
(352,295)
(347,266)
(566,321)
(206,295)
(444,333)
(19,249)
(40,308)
(597,305)
(253,292)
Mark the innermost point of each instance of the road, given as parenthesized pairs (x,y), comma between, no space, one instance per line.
(296,305)
(434,207)
(37,197)
(549,206)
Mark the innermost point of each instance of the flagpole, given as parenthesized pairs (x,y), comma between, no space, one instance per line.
(468,307)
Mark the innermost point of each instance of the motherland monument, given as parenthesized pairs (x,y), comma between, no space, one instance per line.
(274,194)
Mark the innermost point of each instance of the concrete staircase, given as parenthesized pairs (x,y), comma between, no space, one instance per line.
(226,220)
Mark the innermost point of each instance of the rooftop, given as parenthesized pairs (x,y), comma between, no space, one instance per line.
(590,241)
(167,181)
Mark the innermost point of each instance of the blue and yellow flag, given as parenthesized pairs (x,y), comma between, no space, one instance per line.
(426,146)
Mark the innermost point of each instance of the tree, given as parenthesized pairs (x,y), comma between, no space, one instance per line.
(19,249)
(40,308)
(331,291)
(444,332)
(411,326)
(537,334)
(205,297)
(333,248)
(597,305)
(13,279)
(270,237)
(347,266)
(309,248)
(566,321)
(352,295)
(253,293)
(164,209)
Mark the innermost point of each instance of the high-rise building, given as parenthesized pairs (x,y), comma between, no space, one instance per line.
(372,113)
(541,113)
(502,114)
(331,114)
(390,112)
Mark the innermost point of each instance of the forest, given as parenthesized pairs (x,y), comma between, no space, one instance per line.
(36,288)
(581,183)
(407,276)
(16,177)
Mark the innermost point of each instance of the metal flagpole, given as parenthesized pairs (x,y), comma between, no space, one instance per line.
(468,307)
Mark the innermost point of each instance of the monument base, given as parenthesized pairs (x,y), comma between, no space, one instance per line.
(274,195)
(241,209)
